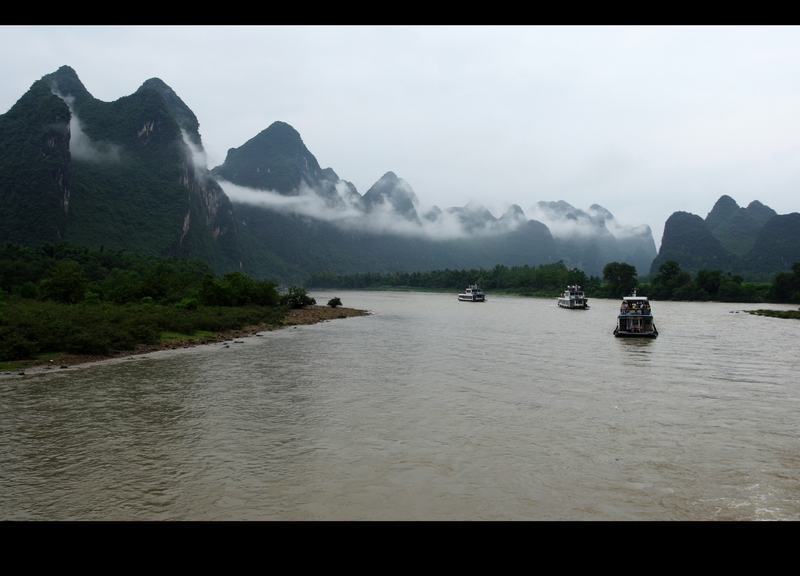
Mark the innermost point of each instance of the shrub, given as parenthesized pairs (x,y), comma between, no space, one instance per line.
(15,347)
(297,297)
(29,290)
(187,304)
(64,283)
(334,302)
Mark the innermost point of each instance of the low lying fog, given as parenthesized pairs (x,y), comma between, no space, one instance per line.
(383,219)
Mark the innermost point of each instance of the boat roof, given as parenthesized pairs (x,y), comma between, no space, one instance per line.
(635,298)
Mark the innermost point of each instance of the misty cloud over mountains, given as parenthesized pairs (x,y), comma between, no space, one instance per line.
(567,222)
(389,207)
(132,174)
(81,147)
(275,170)
(392,207)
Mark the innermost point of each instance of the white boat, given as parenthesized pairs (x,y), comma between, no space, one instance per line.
(472,294)
(635,318)
(573,298)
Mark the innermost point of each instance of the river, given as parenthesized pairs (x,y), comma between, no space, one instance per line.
(428,409)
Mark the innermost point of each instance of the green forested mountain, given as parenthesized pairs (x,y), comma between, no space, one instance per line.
(35,170)
(755,241)
(361,235)
(392,192)
(737,228)
(275,159)
(128,175)
(777,246)
(688,241)
(115,174)
(293,246)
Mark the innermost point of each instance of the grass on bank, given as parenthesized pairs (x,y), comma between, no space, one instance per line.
(198,334)
(31,329)
(793,314)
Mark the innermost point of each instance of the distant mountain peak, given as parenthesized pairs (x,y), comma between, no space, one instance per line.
(760,212)
(274,159)
(184,116)
(599,211)
(281,129)
(66,83)
(514,211)
(394,191)
(559,207)
(433,214)
(723,209)
(66,72)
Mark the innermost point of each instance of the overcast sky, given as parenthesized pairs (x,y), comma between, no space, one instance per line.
(644,121)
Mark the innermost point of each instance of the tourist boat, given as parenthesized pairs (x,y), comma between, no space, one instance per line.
(573,298)
(635,318)
(472,294)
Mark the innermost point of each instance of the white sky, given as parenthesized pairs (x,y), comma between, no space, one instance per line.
(644,121)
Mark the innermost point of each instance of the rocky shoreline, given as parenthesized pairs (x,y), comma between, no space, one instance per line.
(307,315)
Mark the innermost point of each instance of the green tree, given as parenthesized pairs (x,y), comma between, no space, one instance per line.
(237,289)
(709,281)
(123,286)
(621,278)
(669,280)
(786,286)
(297,297)
(64,283)
(334,302)
(730,288)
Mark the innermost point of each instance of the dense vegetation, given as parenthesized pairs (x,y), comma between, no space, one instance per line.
(792,314)
(673,283)
(275,159)
(544,280)
(753,242)
(65,298)
(120,175)
(34,168)
(619,279)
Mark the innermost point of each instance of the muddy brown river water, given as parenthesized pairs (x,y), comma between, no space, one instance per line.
(428,409)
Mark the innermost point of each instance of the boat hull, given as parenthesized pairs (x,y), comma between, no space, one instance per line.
(470,298)
(635,318)
(619,334)
(572,305)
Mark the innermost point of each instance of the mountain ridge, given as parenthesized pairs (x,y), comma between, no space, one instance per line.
(754,242)
(131,174)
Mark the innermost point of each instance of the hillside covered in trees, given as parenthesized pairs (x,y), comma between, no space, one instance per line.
(131,175)
(754,242)
(65,298)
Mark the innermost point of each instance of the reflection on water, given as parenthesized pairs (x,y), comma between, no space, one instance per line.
(429,409)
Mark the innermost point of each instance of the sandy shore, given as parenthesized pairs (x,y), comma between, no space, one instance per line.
(307,315)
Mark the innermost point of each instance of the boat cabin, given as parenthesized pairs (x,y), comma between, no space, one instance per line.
(635,317)
(574,298)
(472,294)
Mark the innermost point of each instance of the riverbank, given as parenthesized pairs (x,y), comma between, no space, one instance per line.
(793,314)
(454,291)
(307,315)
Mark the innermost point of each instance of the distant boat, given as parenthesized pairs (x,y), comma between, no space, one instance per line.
(472,294)
(635,318)
(573,299)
